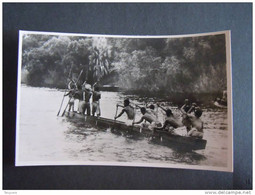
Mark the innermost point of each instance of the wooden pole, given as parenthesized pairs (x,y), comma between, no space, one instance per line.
(71,97)
(65,91)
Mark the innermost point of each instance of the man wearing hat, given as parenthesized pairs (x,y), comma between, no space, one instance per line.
(84,104)
(87,96)
(95,101)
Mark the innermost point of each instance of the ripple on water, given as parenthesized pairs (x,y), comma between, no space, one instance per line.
(45,137)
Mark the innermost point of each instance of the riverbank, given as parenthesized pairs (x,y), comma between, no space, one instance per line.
(205,100)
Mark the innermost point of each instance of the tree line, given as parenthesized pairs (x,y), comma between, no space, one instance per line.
(141,65)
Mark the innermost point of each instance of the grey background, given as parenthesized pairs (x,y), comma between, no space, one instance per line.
(131,19)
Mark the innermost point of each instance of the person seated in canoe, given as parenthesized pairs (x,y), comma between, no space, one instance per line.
(151,109)
(128,109)
(149,117)
(186,106)
(224,96)
(196,124)
(185,109)
(185,119)
(193,123)
(171,122)
(222,101)
(96,96)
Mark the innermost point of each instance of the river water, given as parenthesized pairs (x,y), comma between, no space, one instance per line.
(43,138)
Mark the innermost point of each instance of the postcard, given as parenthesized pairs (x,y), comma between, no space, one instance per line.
(147,101)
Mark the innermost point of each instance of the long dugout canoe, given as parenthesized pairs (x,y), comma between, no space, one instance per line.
(191,143)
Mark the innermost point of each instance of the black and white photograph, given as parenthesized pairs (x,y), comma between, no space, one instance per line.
(145,101)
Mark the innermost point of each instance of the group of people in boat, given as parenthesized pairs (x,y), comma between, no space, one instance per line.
(190,118)
(222,100)
(84,93)
(190,113)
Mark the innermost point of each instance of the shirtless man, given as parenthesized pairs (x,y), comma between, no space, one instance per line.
(72,84)
(170,121)
(95,101)
(84,103)
(128,109)
(151,110)
(223,100)
(71,95)
(193,122)
(88,94)
(186,106)
(196,123)
(187,110)
(151,118)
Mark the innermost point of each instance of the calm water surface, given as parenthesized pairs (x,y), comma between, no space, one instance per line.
(44,138)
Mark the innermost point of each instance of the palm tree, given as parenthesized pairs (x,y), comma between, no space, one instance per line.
(99,64)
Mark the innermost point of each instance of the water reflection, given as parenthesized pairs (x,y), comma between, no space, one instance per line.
(178,153)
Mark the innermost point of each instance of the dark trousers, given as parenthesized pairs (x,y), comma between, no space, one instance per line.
(87,108)
(83,107)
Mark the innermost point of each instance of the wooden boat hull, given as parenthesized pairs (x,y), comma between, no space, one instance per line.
(219,105)
(160,136)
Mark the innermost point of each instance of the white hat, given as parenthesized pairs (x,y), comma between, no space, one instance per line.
(88,86)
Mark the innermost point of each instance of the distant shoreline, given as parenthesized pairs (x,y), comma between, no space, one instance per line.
(205,100)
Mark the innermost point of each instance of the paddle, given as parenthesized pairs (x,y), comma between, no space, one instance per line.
(133,119)
(117,106)
(64,92)
(71,97)
(66,107)
(161,107)
(62,102)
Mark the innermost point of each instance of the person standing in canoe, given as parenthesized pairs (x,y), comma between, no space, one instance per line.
(84,96)
(79,95)
(72,84)
(73,90)
(71,95)
(87,96)
(149,117)
(95,101)
(128,109)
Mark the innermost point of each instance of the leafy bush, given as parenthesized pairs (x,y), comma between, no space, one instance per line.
(165,65)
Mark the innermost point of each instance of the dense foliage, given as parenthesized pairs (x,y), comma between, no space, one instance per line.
(166,65)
